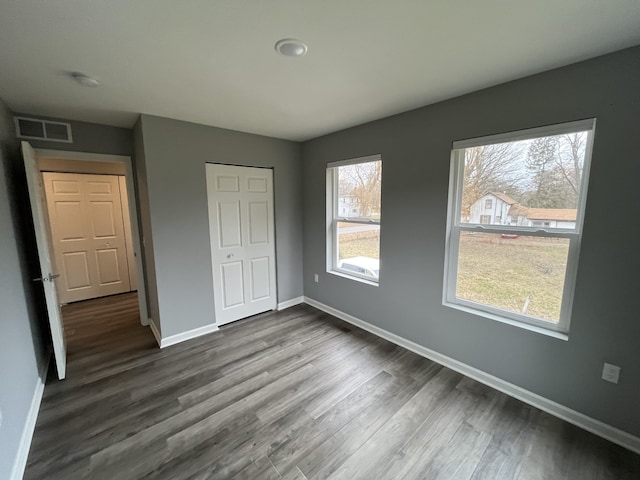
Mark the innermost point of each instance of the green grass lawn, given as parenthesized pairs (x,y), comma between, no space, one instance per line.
(505,272)
(352,246)
(496,271)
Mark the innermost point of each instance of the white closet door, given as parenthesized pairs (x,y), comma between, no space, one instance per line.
(242,240)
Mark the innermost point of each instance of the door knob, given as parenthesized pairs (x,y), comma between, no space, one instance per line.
(230,255)
(49,278)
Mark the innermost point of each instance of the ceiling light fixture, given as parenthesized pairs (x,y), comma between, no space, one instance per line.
(290,47)
(84,79)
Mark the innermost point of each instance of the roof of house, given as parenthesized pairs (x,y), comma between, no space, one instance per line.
(558,214)
(505,198)
(518,210)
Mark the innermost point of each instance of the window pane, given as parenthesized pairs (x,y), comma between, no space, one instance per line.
(515,273)
(359,191)
(359,249)
(529,183)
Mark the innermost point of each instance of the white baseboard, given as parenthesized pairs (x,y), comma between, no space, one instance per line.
(290,303)
(20,462)
(592,425)
(164,342)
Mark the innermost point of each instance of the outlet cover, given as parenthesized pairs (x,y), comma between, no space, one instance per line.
(611,373)
(315,277)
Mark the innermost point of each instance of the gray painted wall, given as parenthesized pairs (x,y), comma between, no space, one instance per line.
(21,313)
(175,154)
(89,137)
(415,148)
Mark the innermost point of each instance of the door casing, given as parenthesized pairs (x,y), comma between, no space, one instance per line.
(133,209)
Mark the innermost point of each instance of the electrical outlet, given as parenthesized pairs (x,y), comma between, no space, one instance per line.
(610,373)
(315,277)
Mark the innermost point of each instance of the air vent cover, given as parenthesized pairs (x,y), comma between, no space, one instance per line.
(33,128)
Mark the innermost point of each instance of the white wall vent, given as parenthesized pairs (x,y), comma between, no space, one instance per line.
(36,129)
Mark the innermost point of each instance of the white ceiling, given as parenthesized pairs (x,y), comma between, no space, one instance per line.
(213,61)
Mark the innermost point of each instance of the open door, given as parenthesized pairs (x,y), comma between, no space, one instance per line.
(47,277)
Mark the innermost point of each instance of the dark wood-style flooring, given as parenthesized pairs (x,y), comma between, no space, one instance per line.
(295,394)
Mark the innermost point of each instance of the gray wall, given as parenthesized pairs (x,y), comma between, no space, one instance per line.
(21,307)
(89,137)
(175,154)
(415,148)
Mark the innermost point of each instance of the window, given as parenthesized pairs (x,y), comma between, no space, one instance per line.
(488,204)
(353,242)
(523,271)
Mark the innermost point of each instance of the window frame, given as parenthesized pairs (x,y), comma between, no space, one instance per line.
(333,218)
(455,227)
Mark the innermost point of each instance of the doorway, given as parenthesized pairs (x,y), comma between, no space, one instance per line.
(98,260)
(90,234)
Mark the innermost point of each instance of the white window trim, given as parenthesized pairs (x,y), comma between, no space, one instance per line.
(333,218)
(454,228)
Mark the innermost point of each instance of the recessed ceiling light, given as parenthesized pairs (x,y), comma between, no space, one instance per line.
(84,79)
(290,47)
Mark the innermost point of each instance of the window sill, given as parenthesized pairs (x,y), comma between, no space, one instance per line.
(509,321)
(353,277)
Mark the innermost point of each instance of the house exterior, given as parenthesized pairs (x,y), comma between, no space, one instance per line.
(552,217)
(348,206)
(500,209)
(491,209)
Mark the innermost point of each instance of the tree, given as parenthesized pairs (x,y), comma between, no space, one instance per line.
(556,166)
(491,168)
(363,181)
(540,162)
(570,159)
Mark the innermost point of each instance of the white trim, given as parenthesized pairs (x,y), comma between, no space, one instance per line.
(339,272)
(133,210)
(290,303)
(155,332)
(164,342)
(83,156)
(569,415)
(527,134)
(332,209)
(20,463)
(455,227)
(352,161)
(485,311)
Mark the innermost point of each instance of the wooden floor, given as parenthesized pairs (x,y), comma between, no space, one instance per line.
(295,394)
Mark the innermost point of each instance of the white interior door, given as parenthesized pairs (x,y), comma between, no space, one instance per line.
(242,240)
(47,274)
(88,235)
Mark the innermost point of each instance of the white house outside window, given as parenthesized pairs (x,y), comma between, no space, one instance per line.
(518,263)
(353,207)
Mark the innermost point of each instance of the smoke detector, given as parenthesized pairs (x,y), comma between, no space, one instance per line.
(84,79)
(290,47)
